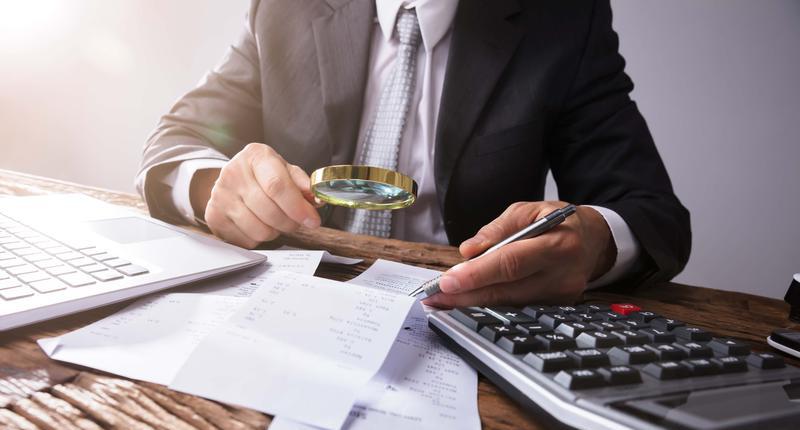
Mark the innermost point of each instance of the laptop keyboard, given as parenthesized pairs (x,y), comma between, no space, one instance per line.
(33,263)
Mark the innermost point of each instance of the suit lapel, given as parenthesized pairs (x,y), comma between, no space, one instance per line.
(343,42)
(483,43)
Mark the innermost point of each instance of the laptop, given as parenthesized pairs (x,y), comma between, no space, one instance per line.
(65,253)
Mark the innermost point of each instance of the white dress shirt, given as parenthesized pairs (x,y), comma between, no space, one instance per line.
(422,222)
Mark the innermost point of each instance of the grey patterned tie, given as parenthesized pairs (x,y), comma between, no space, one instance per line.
(382,139)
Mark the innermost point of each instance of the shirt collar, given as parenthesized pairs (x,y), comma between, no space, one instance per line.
(435,18)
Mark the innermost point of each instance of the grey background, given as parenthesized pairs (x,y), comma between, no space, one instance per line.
(83,82)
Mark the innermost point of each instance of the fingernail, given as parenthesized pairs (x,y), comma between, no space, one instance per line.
(474,241)
(311,222)
(449,284)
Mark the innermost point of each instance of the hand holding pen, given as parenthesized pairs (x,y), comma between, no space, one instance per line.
(521,257)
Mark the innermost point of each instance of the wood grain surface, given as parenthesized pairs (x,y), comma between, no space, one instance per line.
(39,393)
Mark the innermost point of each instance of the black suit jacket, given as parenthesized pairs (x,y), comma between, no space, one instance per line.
(529,86)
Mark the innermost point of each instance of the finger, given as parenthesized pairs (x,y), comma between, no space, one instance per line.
(265,208)
(273,177)
(521,292)
(544,287)
(225,229)
(302,181)
(514,261)
(249,224)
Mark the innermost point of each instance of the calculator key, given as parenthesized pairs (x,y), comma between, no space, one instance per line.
(607,325)
(667,370)
(630,337)
(9,283)
(518,343)
(634,325)
(588,357)
(633,354)
(566,309)
(116,262)
(16,293)
(643,316)
(572,329)
(611,316)
(666,324)
(580,379)
(77,279)
(474,318)
(110,275)
(48,285)
(494,332)
(728,346)
(625,308)
(695,350)
(692,333)
(4,255)
(536,311)
(700,366)
(598,339)
(655,335)
(593,308)
(4,275)
(666,352)
(547,362)
(730,364)
(534,328)
(620,375)
(132,270)
(555,342)
(765,360)
(586,317)
(511,315)
(552,320)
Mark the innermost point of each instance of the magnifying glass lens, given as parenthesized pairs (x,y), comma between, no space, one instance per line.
(363,187)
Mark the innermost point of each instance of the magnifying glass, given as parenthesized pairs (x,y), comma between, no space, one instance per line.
(363,187)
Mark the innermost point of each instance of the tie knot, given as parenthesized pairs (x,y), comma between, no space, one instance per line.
(408,27)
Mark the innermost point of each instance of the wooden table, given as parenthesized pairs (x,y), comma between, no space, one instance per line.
(36,392)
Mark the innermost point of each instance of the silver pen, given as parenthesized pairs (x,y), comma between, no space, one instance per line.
(538,227)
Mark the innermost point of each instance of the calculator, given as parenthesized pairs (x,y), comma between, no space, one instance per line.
(597,366)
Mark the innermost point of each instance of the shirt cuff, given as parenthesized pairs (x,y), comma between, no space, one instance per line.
(179,179)
(628,249)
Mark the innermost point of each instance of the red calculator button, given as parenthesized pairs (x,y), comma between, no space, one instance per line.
(625,308)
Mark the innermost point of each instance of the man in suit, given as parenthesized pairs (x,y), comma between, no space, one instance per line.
(474,99)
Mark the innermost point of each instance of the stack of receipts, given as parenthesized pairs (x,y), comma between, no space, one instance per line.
(313,352)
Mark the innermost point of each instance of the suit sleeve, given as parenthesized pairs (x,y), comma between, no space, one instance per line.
(602,153)
(212,121)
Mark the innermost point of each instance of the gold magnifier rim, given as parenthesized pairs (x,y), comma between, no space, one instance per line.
(364,173)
